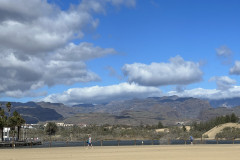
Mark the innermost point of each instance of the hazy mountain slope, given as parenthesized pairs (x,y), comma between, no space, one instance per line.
(214,112)
(33,113)
(228,102)
(150,110)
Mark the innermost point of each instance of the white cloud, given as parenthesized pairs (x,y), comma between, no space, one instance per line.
(236,68)
(20,94)
(101,94)
(36,44)
(34,73)
(224,51)
(20,9)
(224,82)
(177,72)
(113,73)
(128,3)
(45,33)
(123,91)
(83,51)
(208,93)
(36,26)
(65,72)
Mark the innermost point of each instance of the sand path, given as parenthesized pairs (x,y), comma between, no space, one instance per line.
(172,152)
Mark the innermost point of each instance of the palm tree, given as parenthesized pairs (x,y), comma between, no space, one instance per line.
(50,130)
(3,121)
(20,122)
(9,105)
(12,123)
(16,121)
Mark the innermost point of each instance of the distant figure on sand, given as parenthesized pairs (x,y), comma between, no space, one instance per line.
(191,139)
(89,142)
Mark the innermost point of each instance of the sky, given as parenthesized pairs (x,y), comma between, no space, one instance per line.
(96,51)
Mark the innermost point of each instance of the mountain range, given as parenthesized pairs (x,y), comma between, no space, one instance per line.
(168,110)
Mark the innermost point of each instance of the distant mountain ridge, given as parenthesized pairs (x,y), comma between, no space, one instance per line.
(168,109)
(227,102)
(151,110)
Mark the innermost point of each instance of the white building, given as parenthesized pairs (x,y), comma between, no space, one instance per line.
(6,133)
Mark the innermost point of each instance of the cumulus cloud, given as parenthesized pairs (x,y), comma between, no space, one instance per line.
(20,94)
(113,73)
(37,26)
(44,32)
(35,73)
(20,9)
(225,54)
(83,51)
(176,72)
(236,68)
(36,44)
(208,93)
(101,94)
(224,51)
(224,82)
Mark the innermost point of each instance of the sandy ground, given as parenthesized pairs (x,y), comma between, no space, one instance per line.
(171,152)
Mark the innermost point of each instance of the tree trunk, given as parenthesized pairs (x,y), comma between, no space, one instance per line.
(18,128)
(2,134)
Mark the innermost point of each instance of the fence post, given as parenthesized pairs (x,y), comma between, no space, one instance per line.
(152,142)
(217,140)
(185,141)
(168,141)
(135,142)
(233,140)
(118,142)
(101,142)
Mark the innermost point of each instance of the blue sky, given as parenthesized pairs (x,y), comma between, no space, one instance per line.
(94,51)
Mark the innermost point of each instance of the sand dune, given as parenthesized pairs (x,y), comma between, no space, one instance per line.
(171,152)
(212,133)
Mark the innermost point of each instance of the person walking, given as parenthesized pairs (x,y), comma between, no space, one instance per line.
(191,139)
(89,142)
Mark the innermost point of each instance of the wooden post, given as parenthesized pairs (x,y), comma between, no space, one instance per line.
(118,142)
(168,141)
(233,140)
(185,141)
(152,142)
(13,145)
(101,142)
(201,140)
(135,142)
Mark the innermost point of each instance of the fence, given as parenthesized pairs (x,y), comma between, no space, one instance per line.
(131,143)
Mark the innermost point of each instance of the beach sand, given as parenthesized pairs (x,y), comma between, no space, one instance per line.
(164,152)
